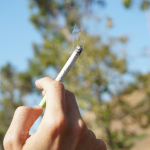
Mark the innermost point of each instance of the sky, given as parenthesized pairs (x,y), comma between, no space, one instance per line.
(17,33)
(134,24)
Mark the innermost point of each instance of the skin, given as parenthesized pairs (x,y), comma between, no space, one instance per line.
(62,127)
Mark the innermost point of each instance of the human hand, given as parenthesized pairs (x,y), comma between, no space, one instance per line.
(61,128)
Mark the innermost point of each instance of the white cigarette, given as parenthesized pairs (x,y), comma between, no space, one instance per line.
(65,69)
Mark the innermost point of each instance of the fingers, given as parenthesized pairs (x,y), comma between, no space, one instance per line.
(55,94)
(18,131)
(42,83)
(59,104)
(91,141)
(71,106)
(43,93)
(100,145)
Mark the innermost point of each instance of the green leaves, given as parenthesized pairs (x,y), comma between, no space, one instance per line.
(145,4)
(127,3)
(90,77)
(7,71)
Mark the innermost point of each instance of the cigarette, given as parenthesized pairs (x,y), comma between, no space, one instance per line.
(65,69)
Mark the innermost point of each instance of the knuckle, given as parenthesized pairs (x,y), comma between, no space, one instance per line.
(83,127)
(8,141)
(92,136)
(46,78)
(43,93)
(80,130)
(22,109)
(101,145)
(63,121)
(57,85)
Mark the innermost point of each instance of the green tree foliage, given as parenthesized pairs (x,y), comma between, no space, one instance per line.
(90,77)
(127,3)
(142,108)
(60,23)
(144,4)
(10,100)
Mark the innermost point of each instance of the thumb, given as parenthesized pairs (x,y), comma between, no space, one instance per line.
(23,119)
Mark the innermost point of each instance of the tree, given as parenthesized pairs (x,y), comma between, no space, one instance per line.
(143,4)
(10,98)
(91,72)
(61,25)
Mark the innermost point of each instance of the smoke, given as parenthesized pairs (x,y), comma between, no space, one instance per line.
(77,36)
(77,31)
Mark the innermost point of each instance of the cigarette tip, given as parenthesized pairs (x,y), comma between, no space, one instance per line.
(79,49)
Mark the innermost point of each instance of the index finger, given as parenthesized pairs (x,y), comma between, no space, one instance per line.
(55,104)
(42,83)
(55,94)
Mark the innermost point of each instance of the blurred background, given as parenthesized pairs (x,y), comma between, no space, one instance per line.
(111,79)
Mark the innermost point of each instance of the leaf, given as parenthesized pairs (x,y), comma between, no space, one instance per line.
(145,5)
(127,3)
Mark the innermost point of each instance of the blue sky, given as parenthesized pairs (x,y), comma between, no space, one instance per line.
(132,23)
(17,33)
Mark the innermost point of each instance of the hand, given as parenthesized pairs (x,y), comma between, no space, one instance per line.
(61,128)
